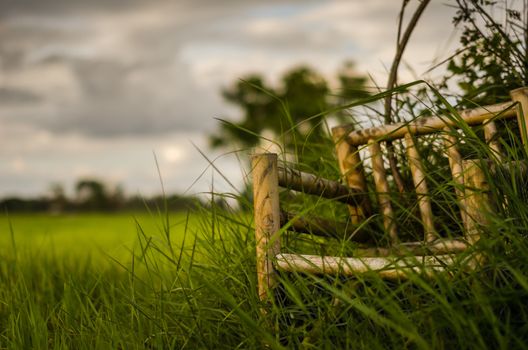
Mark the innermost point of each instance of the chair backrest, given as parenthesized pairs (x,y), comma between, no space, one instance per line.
(268,176)
(349,141)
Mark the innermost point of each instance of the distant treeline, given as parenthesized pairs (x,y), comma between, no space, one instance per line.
(44,204)
(94,195)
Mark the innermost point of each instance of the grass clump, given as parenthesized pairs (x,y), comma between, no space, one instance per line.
(190,282)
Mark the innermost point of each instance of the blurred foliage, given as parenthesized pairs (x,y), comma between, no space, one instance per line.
(493,58)
(93,194)
(293,110)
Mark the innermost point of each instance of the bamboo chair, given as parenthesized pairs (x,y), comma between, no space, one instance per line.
(398,260)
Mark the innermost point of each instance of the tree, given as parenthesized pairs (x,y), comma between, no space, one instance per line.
(58,201)
(92,195)
(294,110)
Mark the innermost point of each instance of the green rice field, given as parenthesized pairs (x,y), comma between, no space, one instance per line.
(99,237)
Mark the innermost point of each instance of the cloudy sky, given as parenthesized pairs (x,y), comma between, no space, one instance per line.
(96,88)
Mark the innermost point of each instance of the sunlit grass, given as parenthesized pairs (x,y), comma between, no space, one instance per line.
(99,237)
(189,281)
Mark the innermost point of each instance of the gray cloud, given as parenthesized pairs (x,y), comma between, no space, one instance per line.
(17,96)
(118,75)
(115,99)
(107,68)
(96,85)
(121,63)
(190,7)
(15,7)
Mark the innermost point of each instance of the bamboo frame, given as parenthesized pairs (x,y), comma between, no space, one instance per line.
(422,193)
(430,125)
(352,170)
(267,219)
(400,259)
(382,190)
(311,184)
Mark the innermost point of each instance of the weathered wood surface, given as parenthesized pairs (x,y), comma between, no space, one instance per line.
(315,185)
(385,267)
(429,125)
(352,170)
(382,190)
(323,227)
(267,219)
(420,185)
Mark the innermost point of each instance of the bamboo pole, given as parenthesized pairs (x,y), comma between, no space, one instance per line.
(422,193)
(385,267)
(267,219)
(431,125)
(476,200)
(323,227)
(440,246)
(382,190)
(490,134)
(311,184)
(521,96)
(352,170)
(455,164)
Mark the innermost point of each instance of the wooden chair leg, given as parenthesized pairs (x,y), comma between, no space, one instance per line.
(267,219)
(382,189)
(457,172)
(476,201)
(422,193)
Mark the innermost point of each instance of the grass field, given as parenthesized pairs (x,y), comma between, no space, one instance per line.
(178,281)
(136,281)
(99,237)
(96,281)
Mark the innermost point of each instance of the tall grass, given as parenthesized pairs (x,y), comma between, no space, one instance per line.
(200,292)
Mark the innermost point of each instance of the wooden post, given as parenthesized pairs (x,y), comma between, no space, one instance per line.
(267,219)
(351,168)
(521,96)
(455,164)
(476,200)
(422,192)
(382,190)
